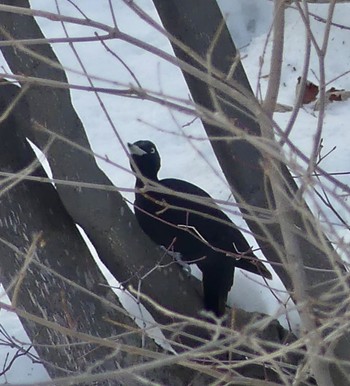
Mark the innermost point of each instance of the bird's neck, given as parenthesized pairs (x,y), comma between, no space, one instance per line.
(140,182)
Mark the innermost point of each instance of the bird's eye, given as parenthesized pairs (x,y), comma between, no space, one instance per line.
(153,150)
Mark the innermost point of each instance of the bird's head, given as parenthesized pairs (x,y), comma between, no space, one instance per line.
(145,158)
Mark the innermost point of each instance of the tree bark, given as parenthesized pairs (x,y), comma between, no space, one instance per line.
(201,30)
(75,321)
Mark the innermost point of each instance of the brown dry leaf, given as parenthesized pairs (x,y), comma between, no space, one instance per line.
(310,92)
(333,95)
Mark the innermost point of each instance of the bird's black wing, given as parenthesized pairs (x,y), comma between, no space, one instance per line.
(196,213)
(184,216)
(173,220)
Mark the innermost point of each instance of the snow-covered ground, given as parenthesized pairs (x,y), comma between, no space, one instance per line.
(185,151)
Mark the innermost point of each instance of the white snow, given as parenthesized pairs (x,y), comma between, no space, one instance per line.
(185,151)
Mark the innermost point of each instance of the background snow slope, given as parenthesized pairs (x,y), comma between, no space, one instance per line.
(185,151)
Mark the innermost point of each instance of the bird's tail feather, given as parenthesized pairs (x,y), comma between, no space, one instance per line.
(253,265)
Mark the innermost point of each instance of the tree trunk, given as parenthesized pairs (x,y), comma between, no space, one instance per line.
(200,28)
(75,321)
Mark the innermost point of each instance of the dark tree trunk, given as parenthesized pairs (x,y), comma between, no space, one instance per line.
(61,283)
(196,25)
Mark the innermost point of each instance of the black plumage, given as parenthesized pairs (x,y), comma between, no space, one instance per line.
(181,216)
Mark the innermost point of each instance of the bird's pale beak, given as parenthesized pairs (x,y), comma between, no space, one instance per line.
(135,150)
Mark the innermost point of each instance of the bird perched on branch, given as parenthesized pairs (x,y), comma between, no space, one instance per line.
(183,218)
